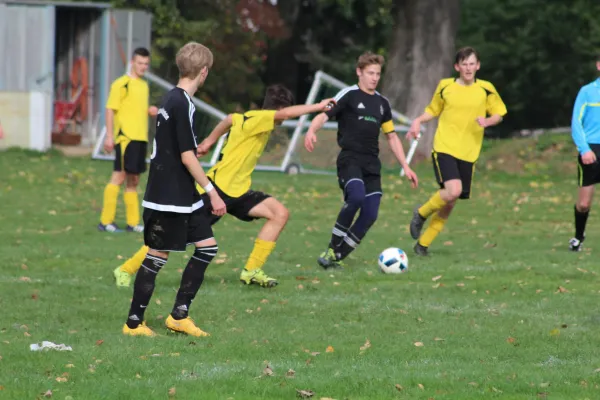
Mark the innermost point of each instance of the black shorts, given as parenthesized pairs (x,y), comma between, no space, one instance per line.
(447,167)
(130,155)
(239,207)
(169,231)
(367,169)
(589,174)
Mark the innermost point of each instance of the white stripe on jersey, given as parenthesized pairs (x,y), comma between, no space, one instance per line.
(342,92)
(172,208)
(191,111)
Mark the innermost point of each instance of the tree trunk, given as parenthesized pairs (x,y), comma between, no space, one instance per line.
(421,53)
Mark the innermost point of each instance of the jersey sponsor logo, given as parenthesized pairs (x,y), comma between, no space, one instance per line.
(381,109)
(367,118)
(164,113)
(361,105)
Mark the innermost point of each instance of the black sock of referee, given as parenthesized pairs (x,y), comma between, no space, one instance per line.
(580,222)
(143,288)
(192,279)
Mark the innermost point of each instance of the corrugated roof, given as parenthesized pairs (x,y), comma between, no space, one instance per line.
(73,4)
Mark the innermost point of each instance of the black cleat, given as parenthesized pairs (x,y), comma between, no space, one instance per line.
(416,224)
(420,250)
(575,244)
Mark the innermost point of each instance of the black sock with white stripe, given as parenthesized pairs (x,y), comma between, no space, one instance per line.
(337,235)
(348,245)
(143,289)
(192,279)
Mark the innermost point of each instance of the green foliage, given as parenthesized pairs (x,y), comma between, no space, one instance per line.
(537,54)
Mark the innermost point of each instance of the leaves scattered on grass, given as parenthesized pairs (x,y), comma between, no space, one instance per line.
(561,290)
(365,346)
(329,349)
(398,387)
(436,278)
(418,344)
(172,392)
(290,373)
(555,332)
(47,393)
(99,342)
(305,394)
(268,371)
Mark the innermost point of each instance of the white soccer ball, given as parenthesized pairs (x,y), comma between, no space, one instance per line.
(393,261)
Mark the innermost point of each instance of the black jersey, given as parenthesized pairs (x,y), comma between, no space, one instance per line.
(170,186)
(361,116)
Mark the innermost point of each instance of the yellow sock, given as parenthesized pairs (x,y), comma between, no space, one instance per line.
(433,204)
(132,208)
(134,263)
(109,206)
(435,227)
(260,253)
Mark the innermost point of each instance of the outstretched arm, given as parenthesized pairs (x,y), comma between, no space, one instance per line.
(296,111)
(311,136)
(218,131)
(398,150)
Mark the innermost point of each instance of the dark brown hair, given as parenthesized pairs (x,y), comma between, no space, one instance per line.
(464,53)
(277,97)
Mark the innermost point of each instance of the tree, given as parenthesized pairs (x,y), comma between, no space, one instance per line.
(420,54)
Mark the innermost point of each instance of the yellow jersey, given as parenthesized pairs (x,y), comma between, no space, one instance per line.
(129,99)
(458,106)
(244,145)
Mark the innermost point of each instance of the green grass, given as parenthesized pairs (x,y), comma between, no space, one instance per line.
(486,305)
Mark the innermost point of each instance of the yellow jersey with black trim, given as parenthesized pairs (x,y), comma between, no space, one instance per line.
(244,145)
(129,99)
(458,107)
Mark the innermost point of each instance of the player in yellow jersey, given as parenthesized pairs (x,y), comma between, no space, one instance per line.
(231,176)
(465,106)
(127,113)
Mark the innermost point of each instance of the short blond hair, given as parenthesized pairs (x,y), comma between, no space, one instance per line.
(369,58)
(191,58)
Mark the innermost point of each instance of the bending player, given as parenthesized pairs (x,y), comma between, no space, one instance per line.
(231,176)
(585,128)
(361,113)
(171,199)
(462,105)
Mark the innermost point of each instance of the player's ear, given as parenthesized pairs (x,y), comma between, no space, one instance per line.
(477,66)
(598,65)
(358,72)
(456,67)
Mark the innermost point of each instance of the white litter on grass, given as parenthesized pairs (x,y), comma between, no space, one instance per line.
(49,346)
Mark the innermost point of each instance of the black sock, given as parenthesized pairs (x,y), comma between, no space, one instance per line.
(580,222)
(143,288)
(192,279)
(357,232)
(354,196)
(347,246)
(337,235)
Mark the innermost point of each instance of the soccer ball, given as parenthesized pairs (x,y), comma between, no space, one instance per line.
(393,261)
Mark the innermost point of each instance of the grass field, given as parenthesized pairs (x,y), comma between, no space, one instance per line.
(500,309)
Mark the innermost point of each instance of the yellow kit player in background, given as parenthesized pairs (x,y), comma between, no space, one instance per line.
(127,133)
(461,104)
(231,176)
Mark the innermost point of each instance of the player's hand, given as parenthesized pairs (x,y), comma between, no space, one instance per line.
(412,177)
(327,104)
(109,144)
(153,111)
(217,204)
(589,157)
(1,132)
(414,131)
(203,149)
(483,122)
(309,141)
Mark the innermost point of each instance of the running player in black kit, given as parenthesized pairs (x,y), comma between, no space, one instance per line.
(172,215)
(361,113)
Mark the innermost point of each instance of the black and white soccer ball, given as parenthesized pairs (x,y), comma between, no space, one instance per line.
(393,261)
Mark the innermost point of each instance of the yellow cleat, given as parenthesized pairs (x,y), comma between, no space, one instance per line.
(122,278)
(186,326)
(141,330)
(258,277)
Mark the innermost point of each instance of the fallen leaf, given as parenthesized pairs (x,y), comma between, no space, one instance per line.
(138,376)
(27,334)
(264,301)
(172,392)
(34,296)
(365,346)
(290,373)
(336,283)
(460,284)
(99,342)
(421,386)
(437,339)
(399,387)
(329,349)
(61,379)
(496,390)
(418,344)
(436,278)
(220,261)
(474,384)
(305,394)
(268,371)
(437,285)
(1,387)
(448,243)
(511,340)
(25,279)
(544,384)
(158,302)
(300,287)
(70,366)
(562,290)
(315,353)
(555,332)
(48,393)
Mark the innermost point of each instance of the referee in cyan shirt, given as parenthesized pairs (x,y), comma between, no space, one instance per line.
(585,129)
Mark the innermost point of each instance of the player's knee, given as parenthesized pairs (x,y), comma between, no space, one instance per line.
(133,180)
(355,199)
(281,214)
(584,205)
(117,178)
(454,192)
